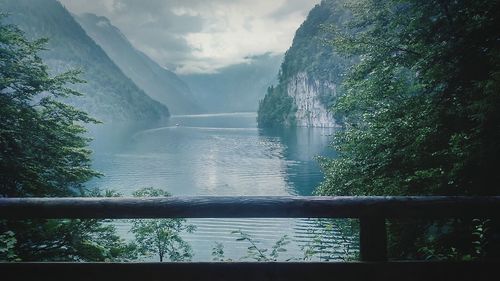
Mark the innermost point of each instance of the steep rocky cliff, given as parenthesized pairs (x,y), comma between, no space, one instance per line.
(306,93)
(309,77)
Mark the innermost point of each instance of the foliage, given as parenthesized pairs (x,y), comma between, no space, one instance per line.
(218,253)
(325,245)
(310,52)
(69,240)
(479,233)
(332,240)
(422,106)
(161,236)
(276,109)
(43,148)
(64,240)
(7,246)
(43,152)
(254,252)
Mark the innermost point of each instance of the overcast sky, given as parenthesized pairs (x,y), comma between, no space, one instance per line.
(192,36)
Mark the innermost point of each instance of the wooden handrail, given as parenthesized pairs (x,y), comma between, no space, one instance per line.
(252,206)
(251,271)
(372,212)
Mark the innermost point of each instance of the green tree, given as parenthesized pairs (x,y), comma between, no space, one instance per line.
(422,106)
(44,152)
(161,236)
(276,109)
(42,144)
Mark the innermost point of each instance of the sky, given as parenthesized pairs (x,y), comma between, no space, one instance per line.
(202,36)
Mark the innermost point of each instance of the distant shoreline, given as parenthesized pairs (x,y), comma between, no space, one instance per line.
(249,114)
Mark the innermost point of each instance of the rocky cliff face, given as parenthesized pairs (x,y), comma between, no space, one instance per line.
(306,94)
(309,75)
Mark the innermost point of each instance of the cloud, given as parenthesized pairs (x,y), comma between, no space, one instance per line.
(198,35)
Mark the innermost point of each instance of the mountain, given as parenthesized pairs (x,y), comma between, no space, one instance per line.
(309,76)
(237,87)
(158,82)
(108,94)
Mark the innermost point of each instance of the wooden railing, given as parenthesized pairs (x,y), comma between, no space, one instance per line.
(371,211)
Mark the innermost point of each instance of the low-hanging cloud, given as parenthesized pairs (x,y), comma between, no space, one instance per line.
(201,36)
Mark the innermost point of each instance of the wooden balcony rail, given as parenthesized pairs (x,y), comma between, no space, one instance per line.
(372,212)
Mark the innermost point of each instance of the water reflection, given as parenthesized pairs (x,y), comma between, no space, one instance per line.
(215,155)
(300,148)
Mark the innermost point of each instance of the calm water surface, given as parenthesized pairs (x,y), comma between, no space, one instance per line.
(217,154)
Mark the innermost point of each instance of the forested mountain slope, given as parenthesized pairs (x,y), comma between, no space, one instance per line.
(159,83)
(108,94)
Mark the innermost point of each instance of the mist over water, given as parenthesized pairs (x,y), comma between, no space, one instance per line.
(216,154)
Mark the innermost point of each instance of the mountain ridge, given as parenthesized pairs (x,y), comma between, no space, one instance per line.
(109,94)
(159,83)
(238,87)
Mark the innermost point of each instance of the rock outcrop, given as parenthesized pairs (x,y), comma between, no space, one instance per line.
(310,75)
(306,94)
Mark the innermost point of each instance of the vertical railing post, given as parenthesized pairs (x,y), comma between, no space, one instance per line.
(372,239)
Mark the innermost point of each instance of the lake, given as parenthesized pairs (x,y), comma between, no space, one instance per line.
(221,154)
